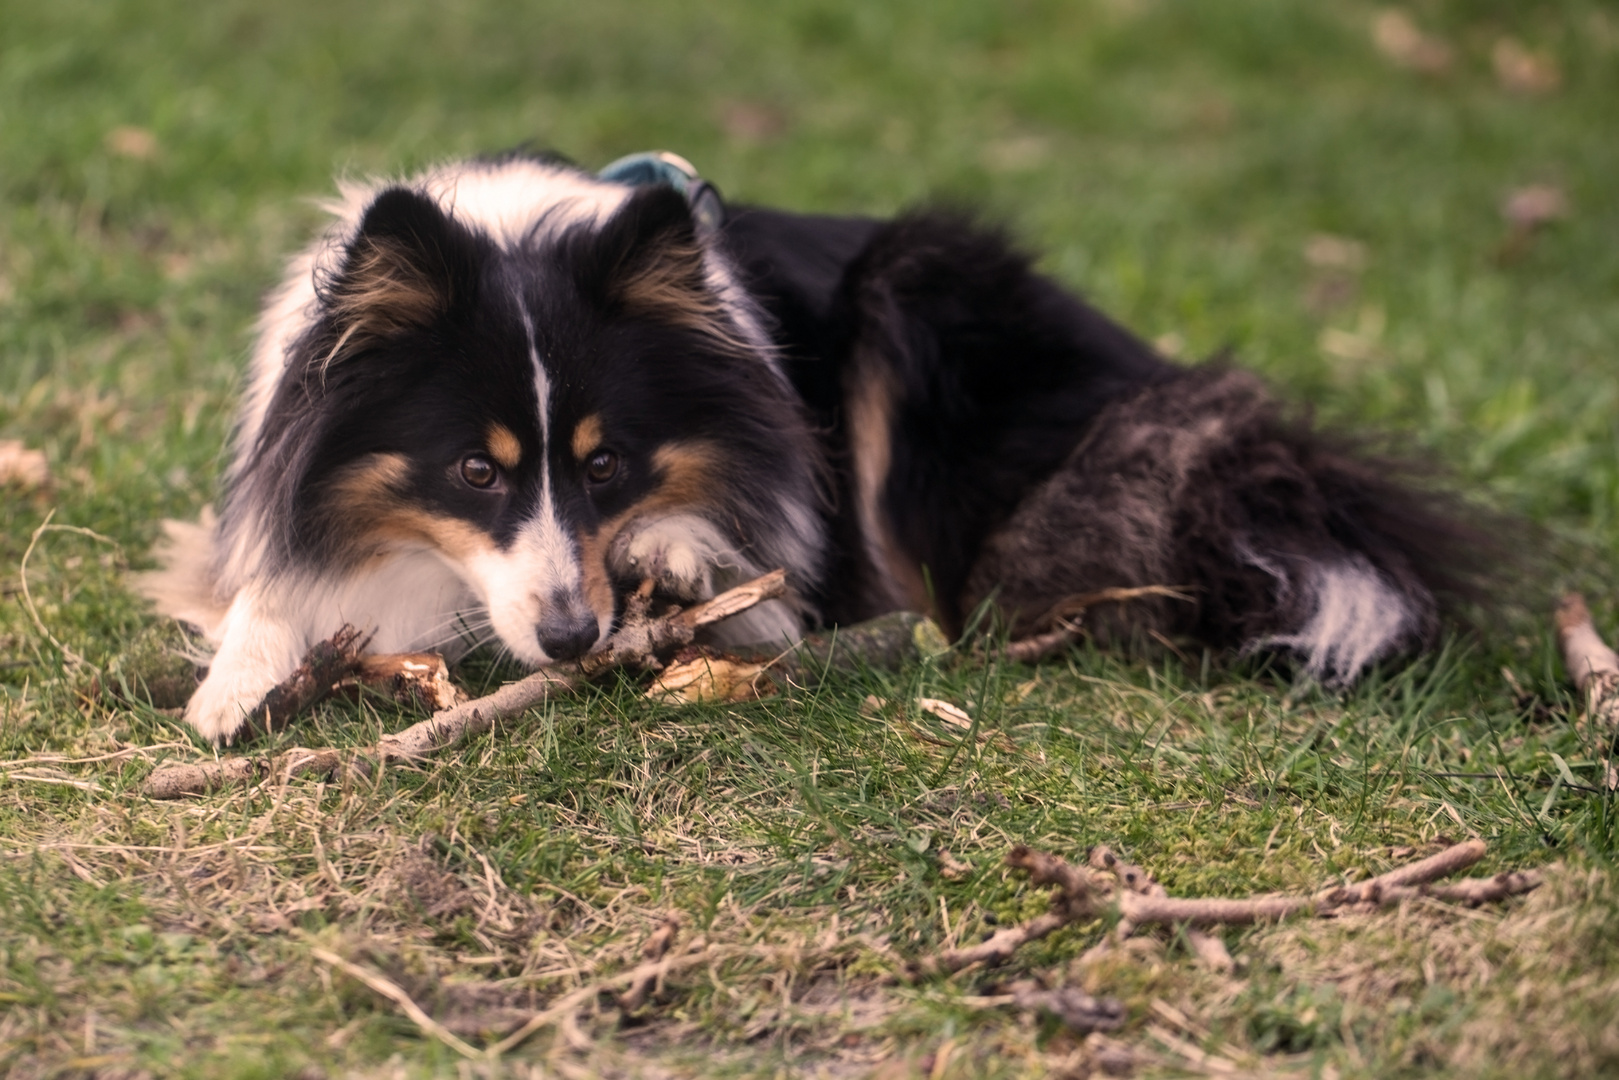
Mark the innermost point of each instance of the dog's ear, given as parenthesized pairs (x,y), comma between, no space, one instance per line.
(407,266)
(648,262)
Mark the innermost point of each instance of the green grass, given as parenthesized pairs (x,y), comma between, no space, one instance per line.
(1172,161)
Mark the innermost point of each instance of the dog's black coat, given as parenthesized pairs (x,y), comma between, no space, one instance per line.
(1022,411)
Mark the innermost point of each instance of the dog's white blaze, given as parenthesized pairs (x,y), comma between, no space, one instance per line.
(1357,617)
(542,386)
(539,569)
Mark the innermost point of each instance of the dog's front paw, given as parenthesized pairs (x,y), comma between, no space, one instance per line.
(680,554)
(221,705)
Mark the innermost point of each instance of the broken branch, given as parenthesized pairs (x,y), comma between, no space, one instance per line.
(1080,896)
(1065,619)
(1592,665)
(635,646)
(326,665)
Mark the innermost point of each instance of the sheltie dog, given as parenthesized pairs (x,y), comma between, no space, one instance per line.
(498,396)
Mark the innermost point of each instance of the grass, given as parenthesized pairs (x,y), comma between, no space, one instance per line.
(1173,161)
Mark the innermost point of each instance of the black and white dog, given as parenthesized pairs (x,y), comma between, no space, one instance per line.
(499,395)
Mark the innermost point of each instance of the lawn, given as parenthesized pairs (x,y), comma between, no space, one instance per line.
(1317,188)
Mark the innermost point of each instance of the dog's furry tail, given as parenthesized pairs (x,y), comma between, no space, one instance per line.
(182,586)
(1284,539)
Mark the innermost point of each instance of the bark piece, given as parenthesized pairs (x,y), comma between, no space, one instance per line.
(417,679)
(324,667)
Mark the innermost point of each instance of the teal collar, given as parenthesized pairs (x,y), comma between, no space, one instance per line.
(672,170)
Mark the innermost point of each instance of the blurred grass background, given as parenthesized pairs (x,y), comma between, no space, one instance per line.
(1306,184)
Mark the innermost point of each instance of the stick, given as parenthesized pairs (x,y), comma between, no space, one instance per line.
(637,643)
(1072,902)
(1079,898)
(1208,948)
(1066,616)
(652,951)
(1591,664)
(396,994)
(635,646)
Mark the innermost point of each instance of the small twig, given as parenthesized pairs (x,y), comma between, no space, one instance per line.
(393,992)
(1592,665)
(1208,948)
(652,951)
(1073,902)
(1066,615)
(635,647)
(1079,898)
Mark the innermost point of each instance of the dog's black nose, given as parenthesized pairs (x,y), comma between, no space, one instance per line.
(568,635)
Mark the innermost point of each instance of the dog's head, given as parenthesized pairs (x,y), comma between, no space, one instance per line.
(559,398)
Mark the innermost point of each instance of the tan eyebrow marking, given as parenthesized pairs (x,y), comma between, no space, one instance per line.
(587,436)
(503,445)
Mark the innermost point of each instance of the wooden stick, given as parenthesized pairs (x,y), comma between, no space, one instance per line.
(1207,947)
(1079,898)
(1065,617)
(1592,665)
(641,639)
(396,994)
(653,951)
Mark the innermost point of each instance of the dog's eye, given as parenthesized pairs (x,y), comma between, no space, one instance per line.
(479,471)
(602,467)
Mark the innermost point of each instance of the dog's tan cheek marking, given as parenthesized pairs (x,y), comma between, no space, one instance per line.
(687,473)
(870,397)
(586,437)
(503,446)
(368,495)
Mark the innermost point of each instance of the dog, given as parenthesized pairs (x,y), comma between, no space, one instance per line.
(498,396)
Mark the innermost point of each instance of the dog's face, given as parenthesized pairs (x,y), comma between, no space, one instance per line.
(558,418)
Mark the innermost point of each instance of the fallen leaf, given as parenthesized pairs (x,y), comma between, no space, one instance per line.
(1533,206)
(1397,37)
(22,467)
(945,711)
(712,678)
(132,142)
(750,122)
(1524,72)
(1327,252)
